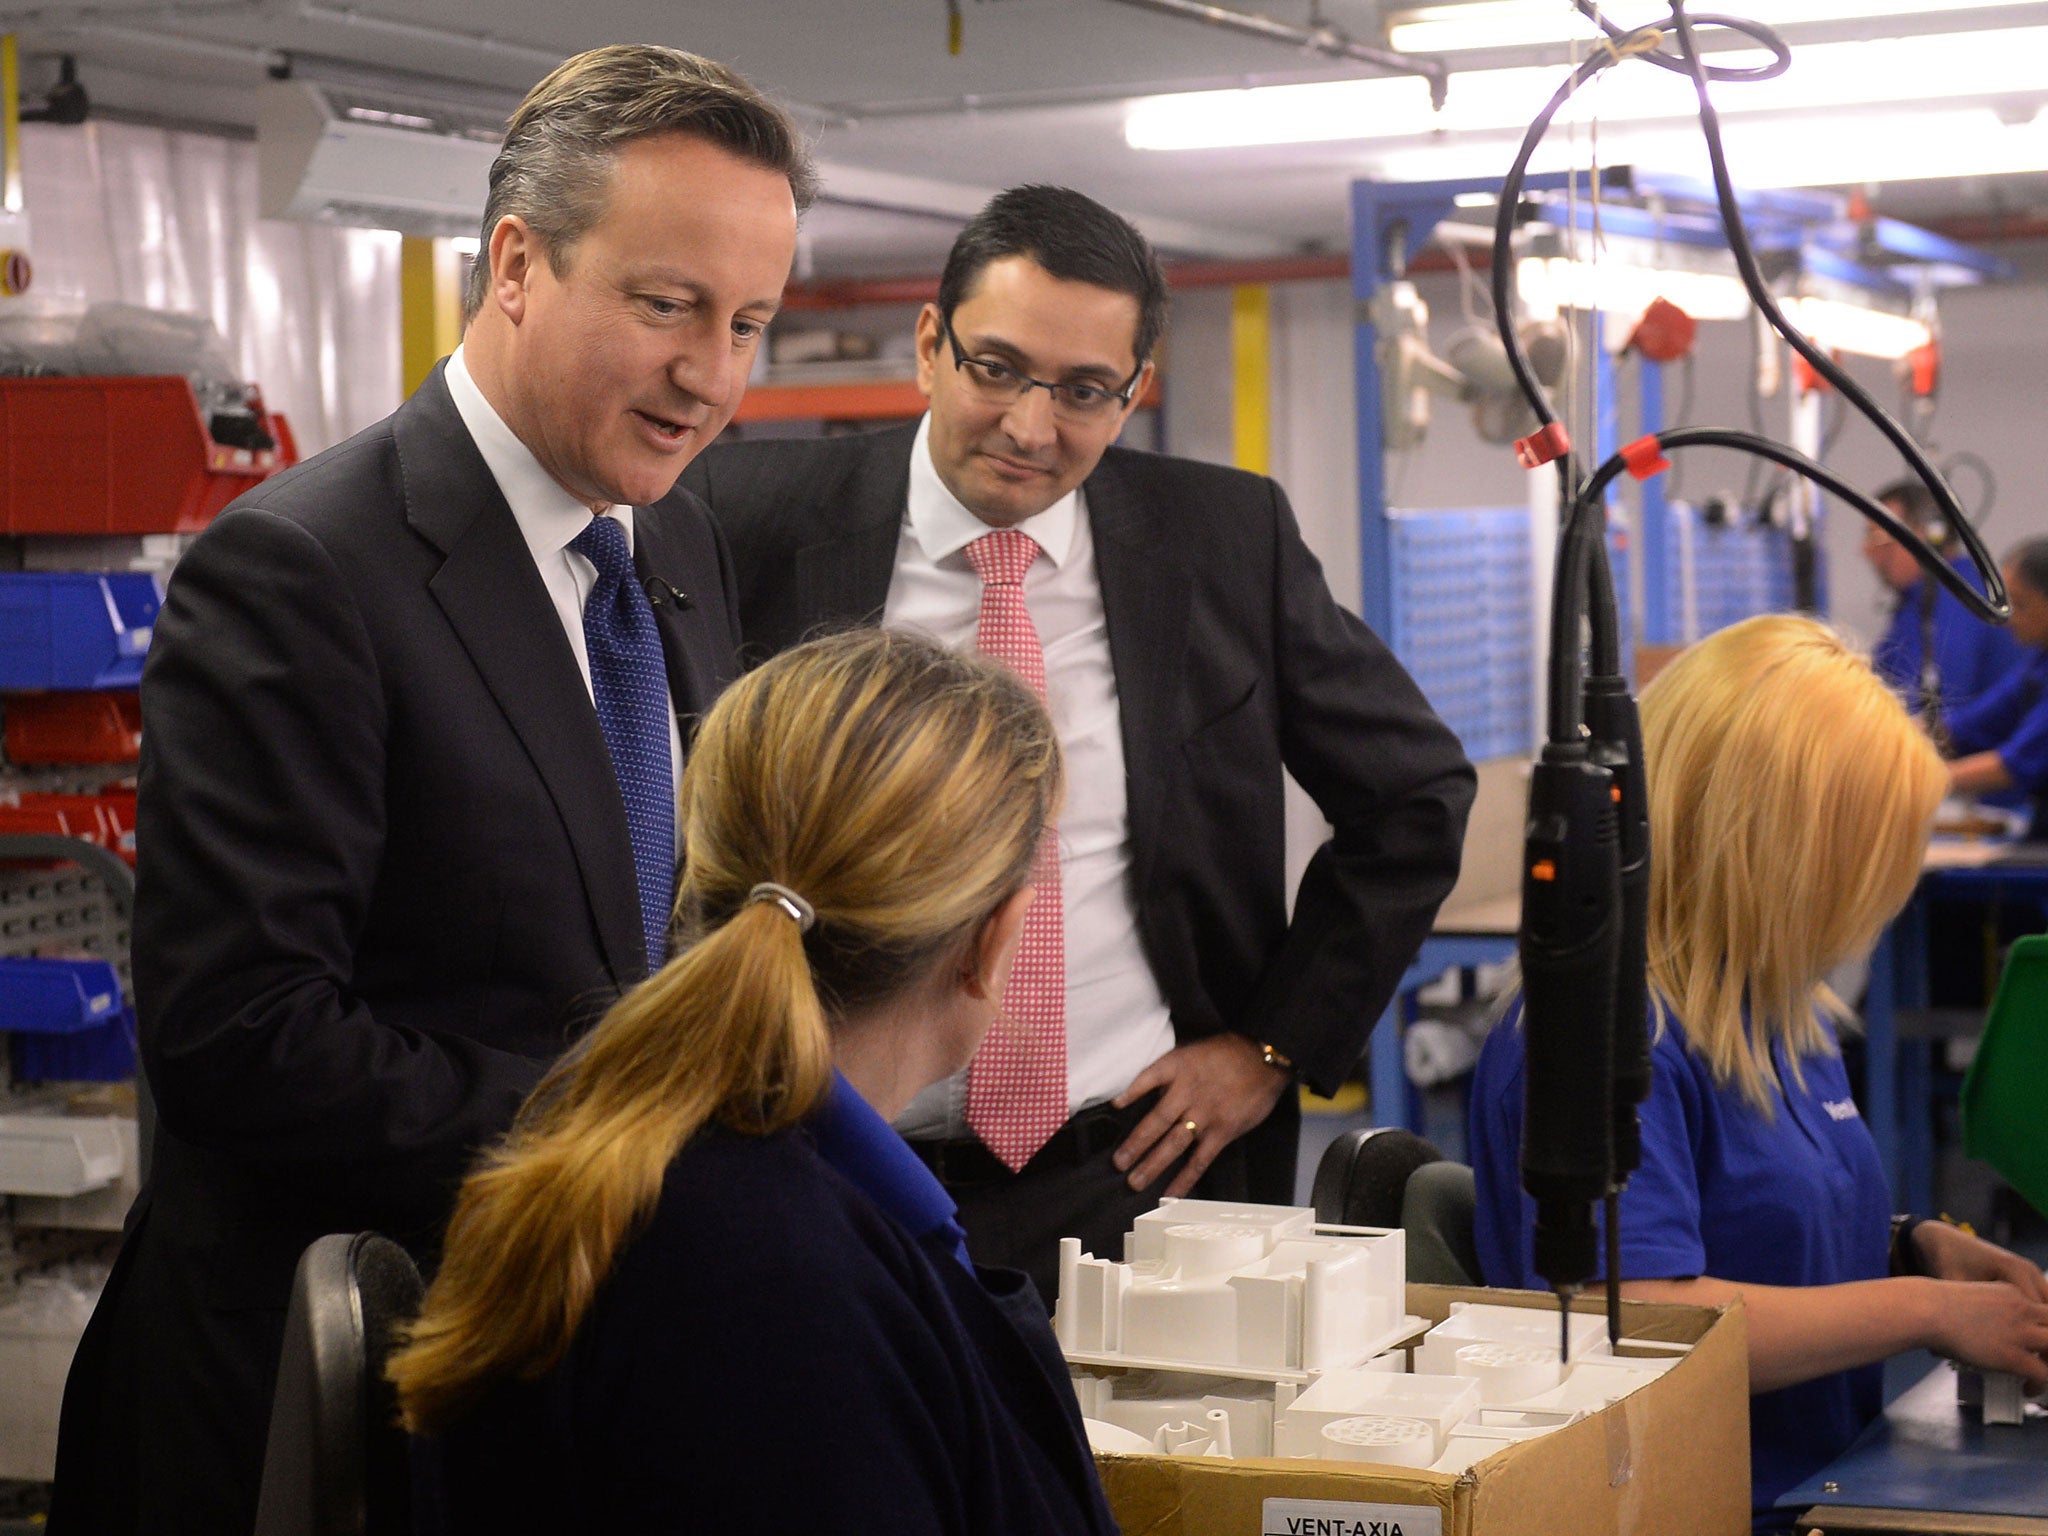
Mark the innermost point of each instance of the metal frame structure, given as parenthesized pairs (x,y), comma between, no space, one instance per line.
(1808,232)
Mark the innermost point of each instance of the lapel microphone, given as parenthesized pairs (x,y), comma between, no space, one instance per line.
(659,592)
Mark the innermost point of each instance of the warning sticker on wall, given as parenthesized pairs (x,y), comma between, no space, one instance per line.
(1324,1517)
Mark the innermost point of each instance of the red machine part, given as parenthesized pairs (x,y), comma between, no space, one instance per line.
(1665,333)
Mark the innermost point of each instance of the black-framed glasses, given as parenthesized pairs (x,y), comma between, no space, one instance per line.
(1000,384)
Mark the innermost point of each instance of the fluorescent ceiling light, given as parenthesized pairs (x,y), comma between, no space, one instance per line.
(2008,63)
(1532,23)
(1841,327)
(1858,147)
(1550,284)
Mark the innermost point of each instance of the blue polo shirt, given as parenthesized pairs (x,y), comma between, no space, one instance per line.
(866,1151)
(1796,1199)
(1972,656)
(2011,720)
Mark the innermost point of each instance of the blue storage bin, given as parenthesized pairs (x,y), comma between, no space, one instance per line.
(71,629)
(105,1053)
(57,997)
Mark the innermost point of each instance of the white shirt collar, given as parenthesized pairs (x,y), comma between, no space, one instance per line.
(944,527)
(548,516)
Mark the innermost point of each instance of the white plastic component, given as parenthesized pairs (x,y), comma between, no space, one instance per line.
(1477,1323)
(1594,1382)
(1189,1320)
(1144,1402)
(1114,1438)
(1507,1373)
(1207,1436)
(1253,1289)
(1379,1437)
(1146,1243)
(1440,1402)
(58,1155)
(2005,1398)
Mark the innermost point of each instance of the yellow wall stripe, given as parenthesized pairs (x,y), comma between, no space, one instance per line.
(429,306)
(1251,392)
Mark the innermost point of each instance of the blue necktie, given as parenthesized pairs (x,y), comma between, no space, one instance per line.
(631,687)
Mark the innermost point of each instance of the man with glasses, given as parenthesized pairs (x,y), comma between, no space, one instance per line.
(1163,1004)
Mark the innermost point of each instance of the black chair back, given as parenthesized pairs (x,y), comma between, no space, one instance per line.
(1436,1213)
(1362,1175)
(336,1461)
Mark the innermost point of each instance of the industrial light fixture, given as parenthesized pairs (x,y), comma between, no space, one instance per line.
(1549,284)
(2004,64)
(1552,283)
(1533,23)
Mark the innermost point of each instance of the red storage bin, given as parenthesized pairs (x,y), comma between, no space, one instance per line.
(107,819)
(101,727)
(120,455)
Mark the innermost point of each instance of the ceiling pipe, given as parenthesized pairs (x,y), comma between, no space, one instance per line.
(1323,38)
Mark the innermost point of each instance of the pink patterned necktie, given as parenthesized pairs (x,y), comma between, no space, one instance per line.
(1017,1085)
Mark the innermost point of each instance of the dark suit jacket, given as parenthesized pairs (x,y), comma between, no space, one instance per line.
(384,877)
(775,1353)
(1232,661)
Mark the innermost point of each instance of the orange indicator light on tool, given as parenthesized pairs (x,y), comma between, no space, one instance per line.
(1543,869)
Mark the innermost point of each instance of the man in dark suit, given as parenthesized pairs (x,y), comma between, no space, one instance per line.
(411,736)
(1190,650)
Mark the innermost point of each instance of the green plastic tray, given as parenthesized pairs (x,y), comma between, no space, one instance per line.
(2005,1095)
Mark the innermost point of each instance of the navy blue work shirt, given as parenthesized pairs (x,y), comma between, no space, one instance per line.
(869,1154)
(1798,1198)
(1972,657)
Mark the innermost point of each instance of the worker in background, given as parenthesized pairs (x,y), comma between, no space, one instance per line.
(704,1278)
(1165,1005)
(1790,802)
(1936,653)
(1999,741)
(409,756)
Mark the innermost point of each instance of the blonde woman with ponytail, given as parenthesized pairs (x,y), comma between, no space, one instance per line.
(1790,803)
(703,1285)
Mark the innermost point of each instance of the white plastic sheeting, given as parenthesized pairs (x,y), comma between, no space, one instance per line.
(168,219)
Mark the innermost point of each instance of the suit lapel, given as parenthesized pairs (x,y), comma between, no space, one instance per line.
(686,640)
(844,578)
(500,611)
(1147,586)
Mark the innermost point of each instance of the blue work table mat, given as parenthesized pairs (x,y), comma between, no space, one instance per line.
(1925,1453)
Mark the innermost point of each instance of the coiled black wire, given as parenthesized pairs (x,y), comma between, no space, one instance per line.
(1584,586)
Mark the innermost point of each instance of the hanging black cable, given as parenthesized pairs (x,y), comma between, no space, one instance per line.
(1586,870)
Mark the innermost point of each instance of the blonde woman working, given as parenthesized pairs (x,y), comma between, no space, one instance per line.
(704,1286)
(1790,802)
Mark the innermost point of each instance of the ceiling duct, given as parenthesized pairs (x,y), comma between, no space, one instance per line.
(1317,37)
(348,155)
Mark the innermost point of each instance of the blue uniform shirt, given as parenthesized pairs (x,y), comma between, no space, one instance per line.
(1973,657)
(2011,720)
(1798,1199)
(866,1151)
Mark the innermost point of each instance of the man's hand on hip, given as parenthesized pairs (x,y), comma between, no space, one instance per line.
(1211,1092)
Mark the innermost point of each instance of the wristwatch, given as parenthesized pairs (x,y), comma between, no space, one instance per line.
(1273,1058)
(1905,1253)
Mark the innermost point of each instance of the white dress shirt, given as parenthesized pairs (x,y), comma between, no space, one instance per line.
(1117,1021)
(548,517)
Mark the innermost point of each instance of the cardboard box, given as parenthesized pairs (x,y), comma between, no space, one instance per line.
(1671,1459)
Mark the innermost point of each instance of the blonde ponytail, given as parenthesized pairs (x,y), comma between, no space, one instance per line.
(902,791)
